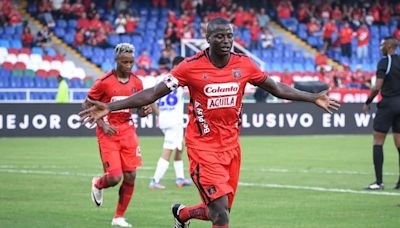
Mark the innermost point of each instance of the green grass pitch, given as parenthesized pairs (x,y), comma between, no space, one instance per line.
(299,181)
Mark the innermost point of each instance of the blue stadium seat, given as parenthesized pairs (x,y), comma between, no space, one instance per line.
(125,39)
(106,66)
(61,23)
(113,40)
(15,82)
(72,23)
(40,82)
(97,51)
(27,82)
(37,50)
(4,43)
(16,44)
(69,38)
(60,32)
(52,82)
(9,30)
(50,51)
(4,81)
(87,51)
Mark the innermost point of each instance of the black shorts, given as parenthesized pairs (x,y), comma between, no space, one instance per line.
(388,115)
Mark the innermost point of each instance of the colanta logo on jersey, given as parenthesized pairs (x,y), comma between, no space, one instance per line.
(221,89)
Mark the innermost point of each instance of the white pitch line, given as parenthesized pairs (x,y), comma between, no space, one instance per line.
(320,189)
(266,170)
(310,188)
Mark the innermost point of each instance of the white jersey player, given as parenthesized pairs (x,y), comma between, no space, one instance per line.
(170,119)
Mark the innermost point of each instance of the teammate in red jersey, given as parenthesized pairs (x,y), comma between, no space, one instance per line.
(118,142)
(216,79)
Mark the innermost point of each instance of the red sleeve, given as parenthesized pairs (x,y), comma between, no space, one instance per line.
(97,90)
(180,73)
(257,76)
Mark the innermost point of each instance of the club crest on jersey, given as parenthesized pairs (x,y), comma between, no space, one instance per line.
(211,190)
(236,73)
(205,77)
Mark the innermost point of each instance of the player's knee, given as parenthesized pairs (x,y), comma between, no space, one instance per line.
(114,180)
(219,215)
(130,177)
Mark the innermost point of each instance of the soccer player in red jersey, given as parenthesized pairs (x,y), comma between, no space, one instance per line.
(216,79)
(118,142)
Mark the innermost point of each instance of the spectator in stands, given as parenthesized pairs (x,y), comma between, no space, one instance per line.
(27,37)
(386,13)
(144,61)
(203,27)
(96,23)
(91,11)
(345,35)
(164,61)
(321,61)
(263,18)
(284,9)
(363,36)
(337,14)
(57,4)
(188,32)
(43,37)
(303,13)
(80,37)
(131,23)
(254,36)
(327,33)
(14,17)
(62,92)
(369,19)
(170,33)
(120,23)
(66,9)
(376,10)
(238,17)
(267,38)
(83,22)
(313,27)
(77,8)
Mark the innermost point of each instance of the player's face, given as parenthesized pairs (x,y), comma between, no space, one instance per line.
(125,63)
(221,39)
(384,47)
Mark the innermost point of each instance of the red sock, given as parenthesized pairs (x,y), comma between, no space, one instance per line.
(199,211)
(102,182)
(125,195)
(224,226)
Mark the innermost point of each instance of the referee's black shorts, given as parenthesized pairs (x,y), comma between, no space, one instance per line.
(388,115)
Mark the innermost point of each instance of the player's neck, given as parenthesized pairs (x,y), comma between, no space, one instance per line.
(122,77)
(219,61)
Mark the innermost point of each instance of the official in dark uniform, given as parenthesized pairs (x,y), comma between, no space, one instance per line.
(388,109)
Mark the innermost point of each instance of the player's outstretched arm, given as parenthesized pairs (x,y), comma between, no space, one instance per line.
(286,92)
(142,98)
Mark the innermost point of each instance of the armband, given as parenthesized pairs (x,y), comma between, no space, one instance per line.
(369,101)
(171,82)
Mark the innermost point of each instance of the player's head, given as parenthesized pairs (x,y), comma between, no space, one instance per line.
(220,36)
(125,57)
(177,60)
(389,45)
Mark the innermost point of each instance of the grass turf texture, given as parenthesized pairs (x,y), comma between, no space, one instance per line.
(45,182)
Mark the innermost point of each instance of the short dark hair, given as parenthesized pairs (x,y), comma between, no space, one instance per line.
(177,60)
(214,22)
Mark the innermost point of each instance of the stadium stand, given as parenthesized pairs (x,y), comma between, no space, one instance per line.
(94,29)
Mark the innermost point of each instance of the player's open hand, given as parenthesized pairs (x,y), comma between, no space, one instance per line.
(94,113)
(327,103)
